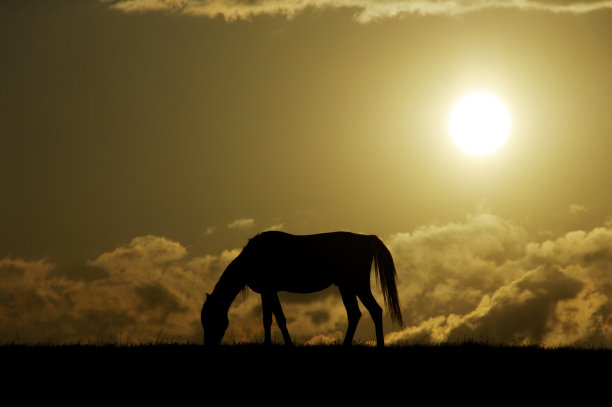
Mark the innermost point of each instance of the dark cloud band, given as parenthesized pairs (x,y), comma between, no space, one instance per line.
(365,10)
(481,278)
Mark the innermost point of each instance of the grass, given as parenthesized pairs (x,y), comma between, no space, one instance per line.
(471,353)
(472,368)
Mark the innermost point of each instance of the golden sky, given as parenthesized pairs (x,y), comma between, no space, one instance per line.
(144,141)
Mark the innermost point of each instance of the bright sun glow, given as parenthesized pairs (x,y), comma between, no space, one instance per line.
(479,124)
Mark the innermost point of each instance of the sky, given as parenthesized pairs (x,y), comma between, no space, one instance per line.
(143,142)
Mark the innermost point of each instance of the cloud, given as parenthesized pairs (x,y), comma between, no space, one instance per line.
(481,278)
(156,296)
(241,223)
(148,286)
(276,226)
(451,267)
(365,10)
(500,287)
(329,339)
(577,209)
(149,250)
(522,312)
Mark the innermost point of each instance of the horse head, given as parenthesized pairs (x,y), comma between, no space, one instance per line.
(214,321)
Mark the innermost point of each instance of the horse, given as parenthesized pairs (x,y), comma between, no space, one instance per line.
(276,261)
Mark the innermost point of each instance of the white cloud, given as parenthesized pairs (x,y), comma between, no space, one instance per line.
(277,226)
(365,10)
(150,250)
(577,209)
(483,279)
(241,223)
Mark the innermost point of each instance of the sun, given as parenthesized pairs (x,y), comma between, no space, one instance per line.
(479,124)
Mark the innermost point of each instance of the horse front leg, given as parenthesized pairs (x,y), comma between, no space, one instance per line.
(280,318)
(270,304)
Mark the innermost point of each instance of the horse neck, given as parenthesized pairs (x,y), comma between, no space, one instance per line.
(228,287)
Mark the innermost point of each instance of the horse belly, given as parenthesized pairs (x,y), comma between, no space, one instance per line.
(305,287)
(296,280)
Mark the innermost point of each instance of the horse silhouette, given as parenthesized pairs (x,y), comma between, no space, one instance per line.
(277,261)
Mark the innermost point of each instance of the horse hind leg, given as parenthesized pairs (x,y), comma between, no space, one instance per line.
(376,313)
(352,312)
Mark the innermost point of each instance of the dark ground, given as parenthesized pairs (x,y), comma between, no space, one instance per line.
(414,375)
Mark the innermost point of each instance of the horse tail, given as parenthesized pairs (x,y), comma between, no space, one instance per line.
(385,271)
